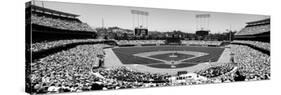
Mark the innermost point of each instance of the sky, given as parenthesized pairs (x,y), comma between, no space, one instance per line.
(162,20)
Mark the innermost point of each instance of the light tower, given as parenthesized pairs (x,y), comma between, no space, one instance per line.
(202,24)
(140,22)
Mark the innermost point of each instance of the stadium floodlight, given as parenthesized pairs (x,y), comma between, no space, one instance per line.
(202,21)
(138,12)
(203,15)
(140,18)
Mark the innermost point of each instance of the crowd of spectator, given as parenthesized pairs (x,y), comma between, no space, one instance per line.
(65,71)
(139,42)
(60,23)
(125,74)
(35,47)
(201,43)
(216,71)
(263,45)
(50,44)
(254,30)
(189,42)
(252,64)
(123,77)
(72,71)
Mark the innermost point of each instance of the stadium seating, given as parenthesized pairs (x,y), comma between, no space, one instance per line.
(139,42)
(263,45)
(201,43)
(70,71)
(251,65)
(35,47)
(60,23)
(254,30)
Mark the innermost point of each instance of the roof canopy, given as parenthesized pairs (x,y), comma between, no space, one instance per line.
(53,11)
(267,20)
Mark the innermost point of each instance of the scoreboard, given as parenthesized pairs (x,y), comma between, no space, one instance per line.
(141,31)
(202,32)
